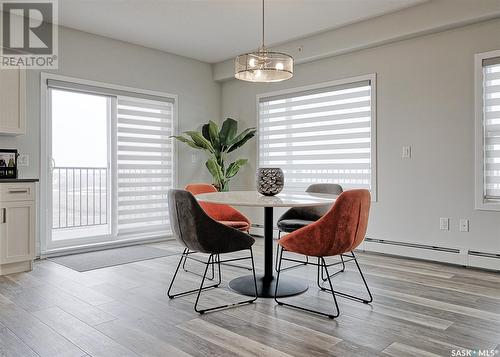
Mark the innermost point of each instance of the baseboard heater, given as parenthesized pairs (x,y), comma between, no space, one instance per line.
(483,254)
(413,245)
(260,230)
(490,261)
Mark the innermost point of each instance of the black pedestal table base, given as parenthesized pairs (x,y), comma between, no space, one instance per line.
(287,287)
(266,283)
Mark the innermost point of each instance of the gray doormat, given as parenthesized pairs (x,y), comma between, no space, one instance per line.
(110,257)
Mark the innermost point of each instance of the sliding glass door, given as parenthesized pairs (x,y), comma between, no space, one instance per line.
(110,164)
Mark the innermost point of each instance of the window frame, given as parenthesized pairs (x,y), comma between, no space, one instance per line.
(372,77)
(480,202)
(45,150)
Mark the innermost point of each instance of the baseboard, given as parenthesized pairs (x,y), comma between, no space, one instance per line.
(417,251)
(12,268)
(484,260)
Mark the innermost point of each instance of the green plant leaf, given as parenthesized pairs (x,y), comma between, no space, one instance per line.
(199,140)
(227,132)
(215,170)
(213,133)
(234,167)
(187,141)
(242,139)
(204,132)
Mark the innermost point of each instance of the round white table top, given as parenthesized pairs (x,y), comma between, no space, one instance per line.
(255,199)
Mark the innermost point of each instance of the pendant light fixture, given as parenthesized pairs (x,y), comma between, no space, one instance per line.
(263,65)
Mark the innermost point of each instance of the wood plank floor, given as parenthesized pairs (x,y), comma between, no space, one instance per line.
(419,309)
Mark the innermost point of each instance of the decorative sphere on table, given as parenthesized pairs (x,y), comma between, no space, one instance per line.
(270,181)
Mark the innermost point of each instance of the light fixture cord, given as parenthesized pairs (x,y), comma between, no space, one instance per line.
(262,23)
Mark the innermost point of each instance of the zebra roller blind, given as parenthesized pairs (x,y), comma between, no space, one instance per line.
(144,164)
(491,126)
(320,135)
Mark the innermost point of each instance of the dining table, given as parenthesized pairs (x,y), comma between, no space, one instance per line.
(266,282)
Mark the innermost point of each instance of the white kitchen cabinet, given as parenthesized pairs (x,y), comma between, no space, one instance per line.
(17,227)
(12,102)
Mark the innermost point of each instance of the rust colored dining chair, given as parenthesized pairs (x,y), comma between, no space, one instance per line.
(224,214)
(337,233)
(298,217)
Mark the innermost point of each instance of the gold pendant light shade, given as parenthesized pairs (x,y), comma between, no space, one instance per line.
(263,65)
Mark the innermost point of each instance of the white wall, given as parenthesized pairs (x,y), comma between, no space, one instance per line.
(97,58)
(425,98)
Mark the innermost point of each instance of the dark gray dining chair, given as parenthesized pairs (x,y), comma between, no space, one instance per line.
(298,217)
(199,233)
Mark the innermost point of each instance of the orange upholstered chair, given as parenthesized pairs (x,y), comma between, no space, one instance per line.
(337,233)
(223,213)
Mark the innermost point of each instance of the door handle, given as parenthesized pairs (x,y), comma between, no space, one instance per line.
(4,215)
(19,191)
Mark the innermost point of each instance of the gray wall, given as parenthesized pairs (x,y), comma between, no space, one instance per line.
(425,98)
(97,58)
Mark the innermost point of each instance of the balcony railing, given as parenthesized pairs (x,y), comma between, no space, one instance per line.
(80,197)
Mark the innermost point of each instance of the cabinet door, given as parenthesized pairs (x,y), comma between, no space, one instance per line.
(17,231)
(12,101)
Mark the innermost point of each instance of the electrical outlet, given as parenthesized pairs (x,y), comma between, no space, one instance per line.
(464,225)
(23,160)
(406,152)
(444,224)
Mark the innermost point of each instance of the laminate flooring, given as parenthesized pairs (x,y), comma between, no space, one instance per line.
(419,309)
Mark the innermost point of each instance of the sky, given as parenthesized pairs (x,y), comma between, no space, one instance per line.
(79,129)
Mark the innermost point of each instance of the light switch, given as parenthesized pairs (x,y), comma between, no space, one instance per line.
(194,158)
(464,225)
(444,224)
(406,152)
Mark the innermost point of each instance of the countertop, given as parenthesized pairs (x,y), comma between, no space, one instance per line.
(18,180)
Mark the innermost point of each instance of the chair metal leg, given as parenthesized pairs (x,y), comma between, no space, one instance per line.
(192,272)
(172,296)
(366,301)
(236,266)
(213,259)
(277,253)
(337,272)
(281,303)
(331,289)
(290,267)
(202,311)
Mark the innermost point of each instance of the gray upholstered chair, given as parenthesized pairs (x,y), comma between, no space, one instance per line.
(299,217)
(197,232)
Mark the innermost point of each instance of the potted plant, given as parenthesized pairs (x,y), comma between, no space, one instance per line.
(218,144)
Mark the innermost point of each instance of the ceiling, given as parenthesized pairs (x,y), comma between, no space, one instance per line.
(215,30)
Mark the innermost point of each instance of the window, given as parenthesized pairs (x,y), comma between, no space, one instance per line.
(321,134)
(488,130)
(112,162)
